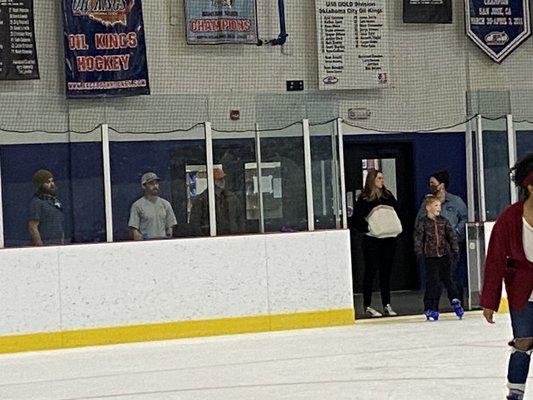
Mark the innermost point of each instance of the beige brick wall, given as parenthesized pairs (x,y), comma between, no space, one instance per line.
(432,68)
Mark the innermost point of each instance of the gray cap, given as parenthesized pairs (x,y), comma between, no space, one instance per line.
(148,177)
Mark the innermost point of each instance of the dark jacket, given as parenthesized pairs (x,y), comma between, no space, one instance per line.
(362,208)
(454,210)
(434,237)
(230,217)
(506,260)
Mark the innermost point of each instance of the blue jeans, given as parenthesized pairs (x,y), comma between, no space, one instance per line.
(522,322)
(459,274)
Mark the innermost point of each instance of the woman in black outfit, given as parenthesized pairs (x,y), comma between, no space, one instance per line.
(378,251)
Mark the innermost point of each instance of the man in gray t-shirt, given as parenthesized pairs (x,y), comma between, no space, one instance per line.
(151,217)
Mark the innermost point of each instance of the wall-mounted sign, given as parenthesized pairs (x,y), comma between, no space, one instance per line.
(498,26)
(352,44)
(105,51)
(221,21)
(427,11)
(18,57)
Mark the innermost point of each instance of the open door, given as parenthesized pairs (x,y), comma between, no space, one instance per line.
(396,162)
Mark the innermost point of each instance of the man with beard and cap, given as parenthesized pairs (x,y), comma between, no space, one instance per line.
(151,217)
(454,209)
(46,220)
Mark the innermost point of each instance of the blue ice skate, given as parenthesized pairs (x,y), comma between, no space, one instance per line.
(432,315)
(457,308)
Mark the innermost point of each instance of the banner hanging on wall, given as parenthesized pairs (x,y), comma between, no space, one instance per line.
(18,57)
(221,21)
(105,51)
(352,44)
(427,11)
(498,27)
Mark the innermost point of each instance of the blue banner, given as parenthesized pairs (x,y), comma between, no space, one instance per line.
(221,21)
(498,26)
(105,51)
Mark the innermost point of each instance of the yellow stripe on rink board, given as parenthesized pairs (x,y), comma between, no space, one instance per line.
(31,342)
(316,319)
(174,330)
(504,305)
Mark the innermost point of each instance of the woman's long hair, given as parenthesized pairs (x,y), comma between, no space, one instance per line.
(371,192)
(520,172)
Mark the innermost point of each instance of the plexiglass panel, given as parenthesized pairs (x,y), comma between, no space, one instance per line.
(270,186)
(325,173)
(69,210)
(173,159)
(524,139)
(231,153)
(496,167)
(284,147)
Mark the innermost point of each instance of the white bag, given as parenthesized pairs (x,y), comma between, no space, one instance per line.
(383,222)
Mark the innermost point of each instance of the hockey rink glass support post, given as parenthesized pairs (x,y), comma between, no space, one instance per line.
(210,179)
(480,169)
(308,176)
(259,178)
(107,183)
(341,172)
(469,157)
(335,177)
(511,144)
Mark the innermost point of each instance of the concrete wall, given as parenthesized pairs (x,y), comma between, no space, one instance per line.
(433,68)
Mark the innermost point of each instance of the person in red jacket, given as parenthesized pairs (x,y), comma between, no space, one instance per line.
(510,259)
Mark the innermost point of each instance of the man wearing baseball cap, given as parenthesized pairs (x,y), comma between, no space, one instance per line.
(151,217)
(46,220)
(229,214)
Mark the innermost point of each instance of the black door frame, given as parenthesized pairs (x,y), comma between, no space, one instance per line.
(405,274)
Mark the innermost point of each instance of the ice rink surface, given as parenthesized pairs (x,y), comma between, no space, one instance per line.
(395,358)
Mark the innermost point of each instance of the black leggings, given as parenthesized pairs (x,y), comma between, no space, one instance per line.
(437,273)
(379,255)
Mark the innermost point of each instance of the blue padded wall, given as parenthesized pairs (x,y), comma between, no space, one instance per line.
(431,152)
(524,143)
(77,168)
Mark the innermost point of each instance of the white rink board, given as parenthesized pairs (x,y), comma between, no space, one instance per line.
(29,293)
(116,284)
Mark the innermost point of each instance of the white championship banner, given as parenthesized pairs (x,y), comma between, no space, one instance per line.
(352,44)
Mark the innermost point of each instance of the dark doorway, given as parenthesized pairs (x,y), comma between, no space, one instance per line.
(395,159)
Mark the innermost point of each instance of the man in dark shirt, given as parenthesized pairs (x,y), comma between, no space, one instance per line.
(46,220)
(230,217)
